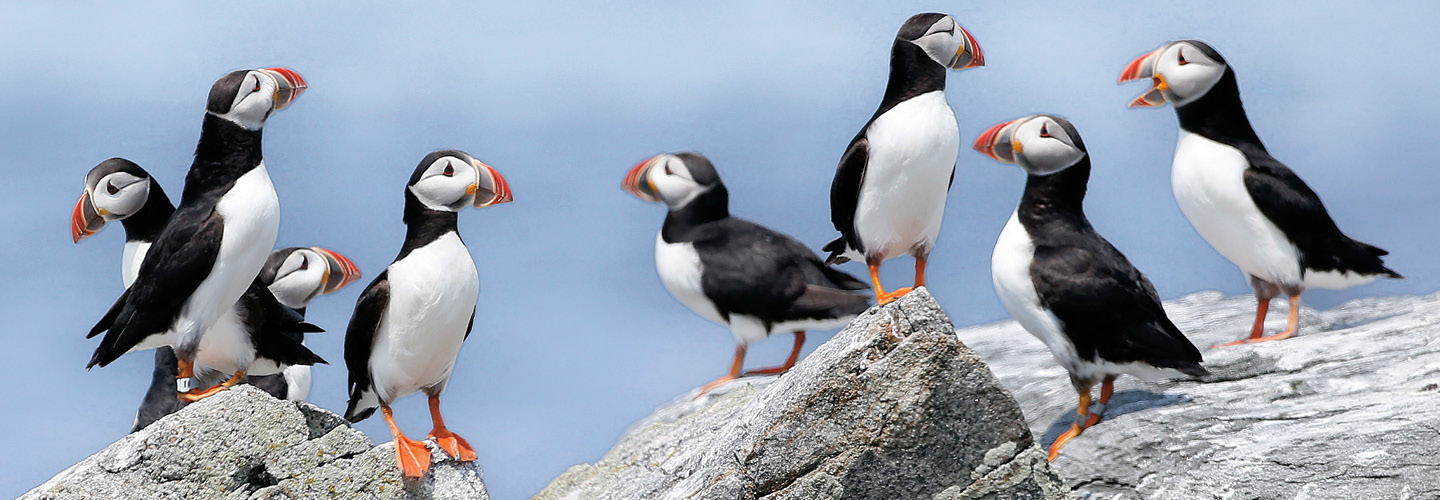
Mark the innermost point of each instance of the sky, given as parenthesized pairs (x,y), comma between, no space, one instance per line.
(575,337)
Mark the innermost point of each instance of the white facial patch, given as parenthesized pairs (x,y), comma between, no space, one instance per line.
(941,41)
(299,279)
(121,195)
(444,184)
(1046,147)
(673,181)
(1188,73)
(254,100)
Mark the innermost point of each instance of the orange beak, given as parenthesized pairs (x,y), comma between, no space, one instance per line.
(289,85)
(492,188)
(340,271)
(637,181)
(1144,67)
(998,142)
(85,220)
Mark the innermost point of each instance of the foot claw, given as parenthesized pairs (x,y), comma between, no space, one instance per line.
(453,445)
(413,456)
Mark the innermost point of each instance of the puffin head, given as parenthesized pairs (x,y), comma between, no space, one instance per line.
(449,180)
(115,189)
(942,39)
(1180,72)
(296,275)
(675,178)
(1040,144)
(247,97)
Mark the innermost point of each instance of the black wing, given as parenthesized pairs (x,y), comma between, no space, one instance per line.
(174,267)
(1108,308)
(360,337)
(844,194)
(750,269)
(1293,207)
(277,331)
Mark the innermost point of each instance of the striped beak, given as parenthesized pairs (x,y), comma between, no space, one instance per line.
(491,188)
(969,55)
(1144,67)
(288,85)
(998,142)
(85,220)
(637,181)
(339,271)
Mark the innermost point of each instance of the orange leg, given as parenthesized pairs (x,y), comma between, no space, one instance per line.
(734,372)
(919,272)
(413,456)
(197,394)
(789,362)
(1087,418)
(1257,332)
(880,295)
(453,444)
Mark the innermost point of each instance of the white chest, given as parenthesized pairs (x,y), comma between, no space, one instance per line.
(1010,270)
(680,268)
(433,292)
(130,260)
(912,151)
(1209,185)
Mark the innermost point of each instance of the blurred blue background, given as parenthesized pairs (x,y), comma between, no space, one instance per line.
(576,338)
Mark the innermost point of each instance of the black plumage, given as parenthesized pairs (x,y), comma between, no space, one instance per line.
(360,339)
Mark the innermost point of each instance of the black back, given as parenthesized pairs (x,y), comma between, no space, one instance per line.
(1107,308)
(1277,191)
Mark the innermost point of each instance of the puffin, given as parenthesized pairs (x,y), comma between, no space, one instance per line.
(120,190)
(1249,206)
(888,196)
(409,323)
(750,278)
(1068,286)
(211,248)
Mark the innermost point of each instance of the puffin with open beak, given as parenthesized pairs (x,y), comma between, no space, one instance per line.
(213,246)
(734,272)
(889,192)
(409,324)
(1254,210)
(1067,285)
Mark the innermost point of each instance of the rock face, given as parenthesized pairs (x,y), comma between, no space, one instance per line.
(1350,408)
(892,407)
(245,444)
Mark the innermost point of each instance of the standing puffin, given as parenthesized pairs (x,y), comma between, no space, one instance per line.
(125,192)
(889,191)
(1253,209)
(409,323)
(215,242)
(1068,286)
(735,272)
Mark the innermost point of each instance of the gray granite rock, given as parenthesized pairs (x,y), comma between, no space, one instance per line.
(245,444)
(1348,409)
(893,407)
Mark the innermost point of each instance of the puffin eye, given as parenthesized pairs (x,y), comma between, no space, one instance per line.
(667,170)
(1180,58)
(1044,130)
(304,264)
(110,187)
(449,170)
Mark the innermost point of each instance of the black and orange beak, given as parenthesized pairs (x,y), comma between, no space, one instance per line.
(339,271)
(491,188)
(288,85)
(998,142)
(1144,67)
(969,55)
(637,181)
(86,220)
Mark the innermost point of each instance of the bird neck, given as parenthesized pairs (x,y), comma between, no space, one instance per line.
(1219,115)
(1056,197)
(912,73)
(424,225)
(146,224)
(225,152)
(709,206)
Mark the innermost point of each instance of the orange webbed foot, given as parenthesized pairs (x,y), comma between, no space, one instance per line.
(199,394)
(774,370)
(1074,431)
(1266,338)
(893,295)
(413,456)
(713,384)
(453,444)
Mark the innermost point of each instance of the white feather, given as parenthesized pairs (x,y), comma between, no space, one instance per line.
(297,382)
(433,292)
(130,260)
(680,269)
(912,151)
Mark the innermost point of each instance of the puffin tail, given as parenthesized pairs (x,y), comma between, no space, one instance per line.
(837,251)
(363,403)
